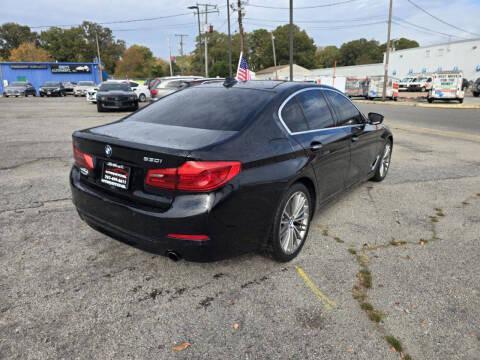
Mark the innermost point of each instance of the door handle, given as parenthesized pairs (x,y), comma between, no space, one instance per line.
(354,138)
(315,146)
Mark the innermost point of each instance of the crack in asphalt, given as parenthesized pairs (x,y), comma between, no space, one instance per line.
(29,162)
(34,206)
(364,276)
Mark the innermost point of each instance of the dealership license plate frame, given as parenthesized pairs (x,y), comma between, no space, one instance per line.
(114,178)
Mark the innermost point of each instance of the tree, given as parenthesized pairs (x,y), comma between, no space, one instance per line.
(303,47)
(79,44)
(260,52)
(12,35)
(327,56)
(137,62)
(401,44)
(29,52)
(361,51)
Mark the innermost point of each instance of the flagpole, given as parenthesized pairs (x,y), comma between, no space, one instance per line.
(239,61)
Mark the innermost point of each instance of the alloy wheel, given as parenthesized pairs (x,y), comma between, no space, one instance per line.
(385,162)
(294,222)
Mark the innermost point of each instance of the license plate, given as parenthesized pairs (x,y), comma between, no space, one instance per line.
(116,175)
(49,93)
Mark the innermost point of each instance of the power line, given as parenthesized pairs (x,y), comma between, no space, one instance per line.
(302,7)
(425,29)
(317,21)
(440,20)
(156,27)
(326,27)
(117,21)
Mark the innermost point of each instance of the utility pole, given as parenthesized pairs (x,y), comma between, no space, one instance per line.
(98,57)
(240,23)
(205,40)
(290,39)
(229,41)
(181,36)
(195,7)
(387,52)
(170,57)
(274,57)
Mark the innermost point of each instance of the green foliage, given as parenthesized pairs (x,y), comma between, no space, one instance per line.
(79,44)
(137,62)
(12,35)
(401,44)
(361,51)
(327,56)
(303,47)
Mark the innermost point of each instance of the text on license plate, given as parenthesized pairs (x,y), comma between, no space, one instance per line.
(116,175)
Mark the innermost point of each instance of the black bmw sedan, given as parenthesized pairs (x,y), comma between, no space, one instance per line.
(116,95)
(226,168)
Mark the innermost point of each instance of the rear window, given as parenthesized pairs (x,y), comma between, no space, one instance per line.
(86,83)
(205,108)
(115,86)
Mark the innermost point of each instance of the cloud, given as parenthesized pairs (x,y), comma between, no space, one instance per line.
(329,25)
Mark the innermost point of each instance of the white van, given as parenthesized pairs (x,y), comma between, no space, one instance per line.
(447,85)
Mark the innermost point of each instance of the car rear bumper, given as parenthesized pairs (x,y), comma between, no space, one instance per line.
(148,229)
(123,104)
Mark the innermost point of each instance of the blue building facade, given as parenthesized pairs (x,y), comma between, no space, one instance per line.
(38,73)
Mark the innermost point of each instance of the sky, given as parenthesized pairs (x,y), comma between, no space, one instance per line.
(331,25)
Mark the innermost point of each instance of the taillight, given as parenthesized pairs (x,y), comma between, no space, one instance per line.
(153,92)
(195,176)
(82,160)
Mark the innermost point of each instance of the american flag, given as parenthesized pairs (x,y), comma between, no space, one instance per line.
(243,74)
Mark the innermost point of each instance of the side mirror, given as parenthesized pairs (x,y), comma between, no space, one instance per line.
(375,119)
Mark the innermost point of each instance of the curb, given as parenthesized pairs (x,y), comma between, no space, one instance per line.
(422,105)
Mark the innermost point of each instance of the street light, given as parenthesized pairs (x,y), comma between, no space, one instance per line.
(195,7)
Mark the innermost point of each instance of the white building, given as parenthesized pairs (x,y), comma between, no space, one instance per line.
(461,55)
(282,72)
(355,70)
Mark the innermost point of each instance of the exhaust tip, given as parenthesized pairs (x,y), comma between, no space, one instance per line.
(172,255)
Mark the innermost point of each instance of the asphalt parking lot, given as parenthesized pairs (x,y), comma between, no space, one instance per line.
(388,265)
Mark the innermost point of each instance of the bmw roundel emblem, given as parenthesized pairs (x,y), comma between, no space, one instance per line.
(108,150)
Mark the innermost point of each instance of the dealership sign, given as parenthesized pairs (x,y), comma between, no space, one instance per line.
(69,69)
(28,66)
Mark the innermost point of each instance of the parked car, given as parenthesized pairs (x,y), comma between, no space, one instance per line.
(19,88)
(404,83)
(142,91)
(81,88)
(225,168)
(420,84)
(69,87)
(447,85)
(91,95)
(116,95)
(52,88)
(164,86)
(476,88)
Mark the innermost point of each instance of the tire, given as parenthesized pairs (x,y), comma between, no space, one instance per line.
(383,163)
(460,101)
(142,98)
(100,107)
(293,238)
(135,107)
(476,94)
(423,89)
(430,100)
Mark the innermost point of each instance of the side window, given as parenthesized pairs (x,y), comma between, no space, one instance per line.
(132,84)
(346,112)
(316,110)
(292,116)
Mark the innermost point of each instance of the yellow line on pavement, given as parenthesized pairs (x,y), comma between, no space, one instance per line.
(327,303)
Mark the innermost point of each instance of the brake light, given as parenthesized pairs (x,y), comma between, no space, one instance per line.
(82,160)
(195,176)
(153,92)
